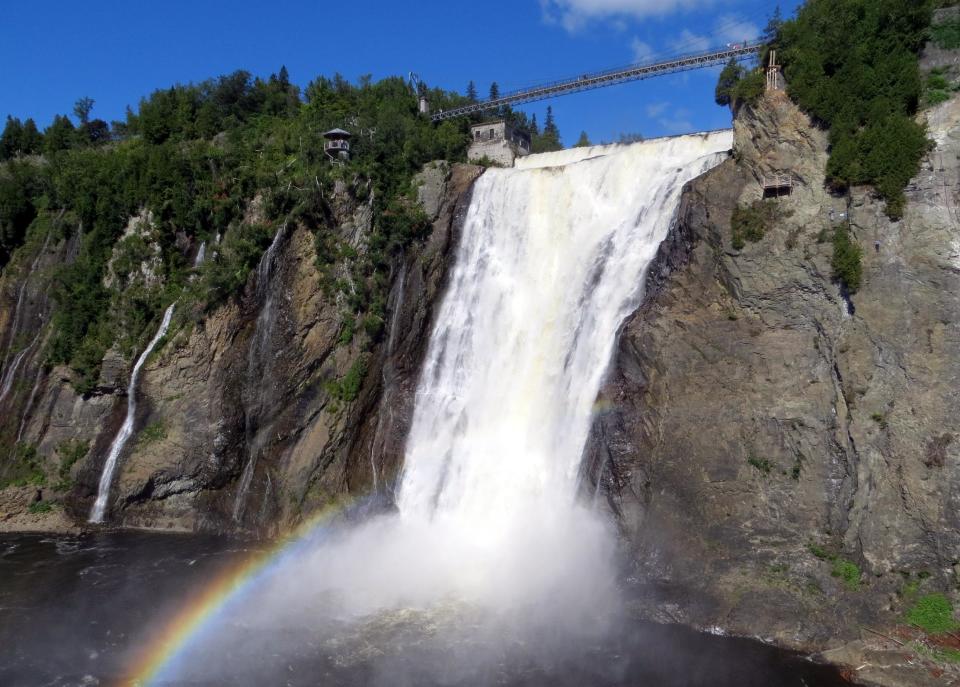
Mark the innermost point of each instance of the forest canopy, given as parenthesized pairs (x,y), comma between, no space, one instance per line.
(853,65)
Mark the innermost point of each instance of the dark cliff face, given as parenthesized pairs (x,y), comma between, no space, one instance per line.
(257,414)
(766,435)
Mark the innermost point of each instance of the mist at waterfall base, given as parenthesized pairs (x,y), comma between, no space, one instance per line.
(490,548)
(491,569)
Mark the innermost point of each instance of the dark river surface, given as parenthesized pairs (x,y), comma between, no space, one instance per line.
(76,610)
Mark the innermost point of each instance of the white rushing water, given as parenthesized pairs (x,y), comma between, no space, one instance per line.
(258,368)
(18,309)
(551,261)
(201,254)
(106,477)
(491,535)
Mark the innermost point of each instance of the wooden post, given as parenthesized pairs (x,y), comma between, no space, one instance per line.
(773,73)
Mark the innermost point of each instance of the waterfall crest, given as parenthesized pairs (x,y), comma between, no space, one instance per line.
(119,441)
(551,262)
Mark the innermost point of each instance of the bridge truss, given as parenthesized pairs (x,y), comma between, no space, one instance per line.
(610,77)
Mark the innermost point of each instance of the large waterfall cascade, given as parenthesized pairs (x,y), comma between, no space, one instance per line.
(551,261)
(126,430)
(490,539)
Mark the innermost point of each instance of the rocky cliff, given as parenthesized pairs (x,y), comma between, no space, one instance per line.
(784,457)
(248,417)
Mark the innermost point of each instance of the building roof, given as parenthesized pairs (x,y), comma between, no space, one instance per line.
(337,133)
(488,123)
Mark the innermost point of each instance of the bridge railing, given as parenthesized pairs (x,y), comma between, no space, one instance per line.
(605,78)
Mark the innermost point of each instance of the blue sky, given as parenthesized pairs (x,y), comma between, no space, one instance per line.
(116,52)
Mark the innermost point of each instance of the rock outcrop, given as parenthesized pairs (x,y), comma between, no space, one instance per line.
(784,459)
(239,423)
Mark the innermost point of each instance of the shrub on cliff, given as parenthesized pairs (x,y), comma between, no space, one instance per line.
(846,261)
(751,222)
(737,86)
(853,65)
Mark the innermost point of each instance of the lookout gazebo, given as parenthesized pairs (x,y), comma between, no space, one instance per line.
(337,145)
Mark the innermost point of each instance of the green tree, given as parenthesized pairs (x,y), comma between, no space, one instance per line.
(729,77)
(772,29)
(549,139)
(853,66)
(82,109)
(472,92)
(583,141)
(60,135)
(11,141)
(31,139)
(846,261)
(494,91)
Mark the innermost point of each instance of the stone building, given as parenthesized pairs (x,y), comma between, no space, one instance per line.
(499,142)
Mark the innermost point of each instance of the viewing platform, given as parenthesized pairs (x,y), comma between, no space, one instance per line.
(777,185)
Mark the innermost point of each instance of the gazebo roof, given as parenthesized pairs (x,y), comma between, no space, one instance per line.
(337,133)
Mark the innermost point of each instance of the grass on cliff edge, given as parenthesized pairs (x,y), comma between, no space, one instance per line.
(845,570)
(933,613)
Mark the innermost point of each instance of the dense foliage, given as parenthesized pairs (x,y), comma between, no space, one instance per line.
(847,259)
(752,222)
(737,85)
(188,162)
(853,65)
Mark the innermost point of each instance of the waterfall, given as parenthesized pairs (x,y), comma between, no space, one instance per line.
(551,262)
(201,254)
(257,366)
(119,441)
(491,542)
(8,374)
(18,309)
(552,259)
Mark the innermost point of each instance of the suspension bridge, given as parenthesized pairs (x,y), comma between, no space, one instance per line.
(610,77)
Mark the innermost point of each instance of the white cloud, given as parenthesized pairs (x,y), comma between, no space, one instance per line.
(575,14)
(678,122)
(654,110)
(688,41)
(732,28)
(641,51)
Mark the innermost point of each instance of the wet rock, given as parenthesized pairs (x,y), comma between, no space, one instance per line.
(754,420)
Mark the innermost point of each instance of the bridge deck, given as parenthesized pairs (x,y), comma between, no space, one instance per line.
(606,78)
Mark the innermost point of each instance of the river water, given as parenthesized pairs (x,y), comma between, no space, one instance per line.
(76,610)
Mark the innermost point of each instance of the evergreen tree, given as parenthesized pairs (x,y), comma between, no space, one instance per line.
(472,92)
(11,141)
(494,91)
(772,29)
(82,109)
(31,141)
(549,139)
(729,77)
(583,141)
(534,127)
(95,131)
(549,126)
(60,135)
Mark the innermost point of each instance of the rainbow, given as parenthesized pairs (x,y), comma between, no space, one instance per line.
(201,611)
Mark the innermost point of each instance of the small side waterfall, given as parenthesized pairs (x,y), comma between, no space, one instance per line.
(106,478)
(201,255)
(258,364)
(10,372)
(18,309)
